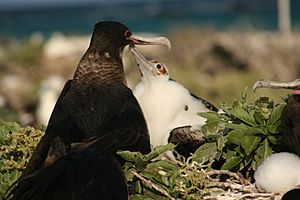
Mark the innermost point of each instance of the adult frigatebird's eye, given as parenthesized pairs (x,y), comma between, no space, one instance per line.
(127,34)
(158,66)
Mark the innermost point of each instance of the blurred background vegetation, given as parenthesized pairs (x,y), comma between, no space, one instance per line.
(219,47)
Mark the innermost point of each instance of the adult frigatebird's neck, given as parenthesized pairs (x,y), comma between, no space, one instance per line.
(99,68)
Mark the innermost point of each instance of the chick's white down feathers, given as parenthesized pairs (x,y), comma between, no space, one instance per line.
(167,105)
(278,173)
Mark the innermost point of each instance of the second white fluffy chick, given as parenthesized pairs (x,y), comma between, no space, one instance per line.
(166,104)
(280,172)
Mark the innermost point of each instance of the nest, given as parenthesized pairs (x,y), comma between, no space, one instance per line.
(208,185)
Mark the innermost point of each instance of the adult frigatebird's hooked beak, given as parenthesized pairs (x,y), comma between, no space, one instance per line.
(294,85)
(145,66)
(138,40)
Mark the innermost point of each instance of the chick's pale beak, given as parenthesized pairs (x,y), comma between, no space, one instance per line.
(294,85)
(138,40)
(144,65)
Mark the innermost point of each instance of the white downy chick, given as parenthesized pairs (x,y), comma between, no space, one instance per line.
(278,173)
(166,104)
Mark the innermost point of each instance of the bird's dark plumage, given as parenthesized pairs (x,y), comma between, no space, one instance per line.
(82,175)
(207,104)
(95,115)
(290,123)
(293,194)
(290,117)
(95,98)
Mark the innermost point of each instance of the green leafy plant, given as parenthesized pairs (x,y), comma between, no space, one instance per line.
(240,139)
(153,179)
(243,136)
(16,147)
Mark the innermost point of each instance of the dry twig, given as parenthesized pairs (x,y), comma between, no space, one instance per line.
(153,186)
(237,176)
(233,186)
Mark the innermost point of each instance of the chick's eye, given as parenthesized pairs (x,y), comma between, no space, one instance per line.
(158,66)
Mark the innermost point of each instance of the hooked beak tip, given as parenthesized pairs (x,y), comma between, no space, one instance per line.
(255,86)
(168,44)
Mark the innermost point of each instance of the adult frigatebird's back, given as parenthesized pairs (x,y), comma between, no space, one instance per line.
(95,115)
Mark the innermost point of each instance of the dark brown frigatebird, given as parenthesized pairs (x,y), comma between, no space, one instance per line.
(290,117)
(290,126)
(95,116)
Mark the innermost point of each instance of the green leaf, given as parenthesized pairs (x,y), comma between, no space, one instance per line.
(128,155)
(243,115)
(138,187)
(259,118)
(231,163)
(140,161)
(152,175)
(263,151)
(229,154)
(163,164)
(206,152)
(254,131)
(210,116)
(275,139)
(240,151)
(274,128)
(246,162)
(139,197)
(236,126)
(173,178)
(129,173)
(244,95)
(276,114)
(159,150)
(250,143)
(235,136)
(220,143)
(136,157)
(212,128)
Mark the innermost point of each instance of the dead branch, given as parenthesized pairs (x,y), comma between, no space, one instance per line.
(153,186)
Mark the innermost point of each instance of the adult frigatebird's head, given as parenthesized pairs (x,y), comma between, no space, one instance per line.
(102,62)
(293,85)
(112,36)
(150,69)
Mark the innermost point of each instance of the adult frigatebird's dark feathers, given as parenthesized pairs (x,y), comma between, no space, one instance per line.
(290,117)
(290,123)
(95,115)
(115,123)
(82,175)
